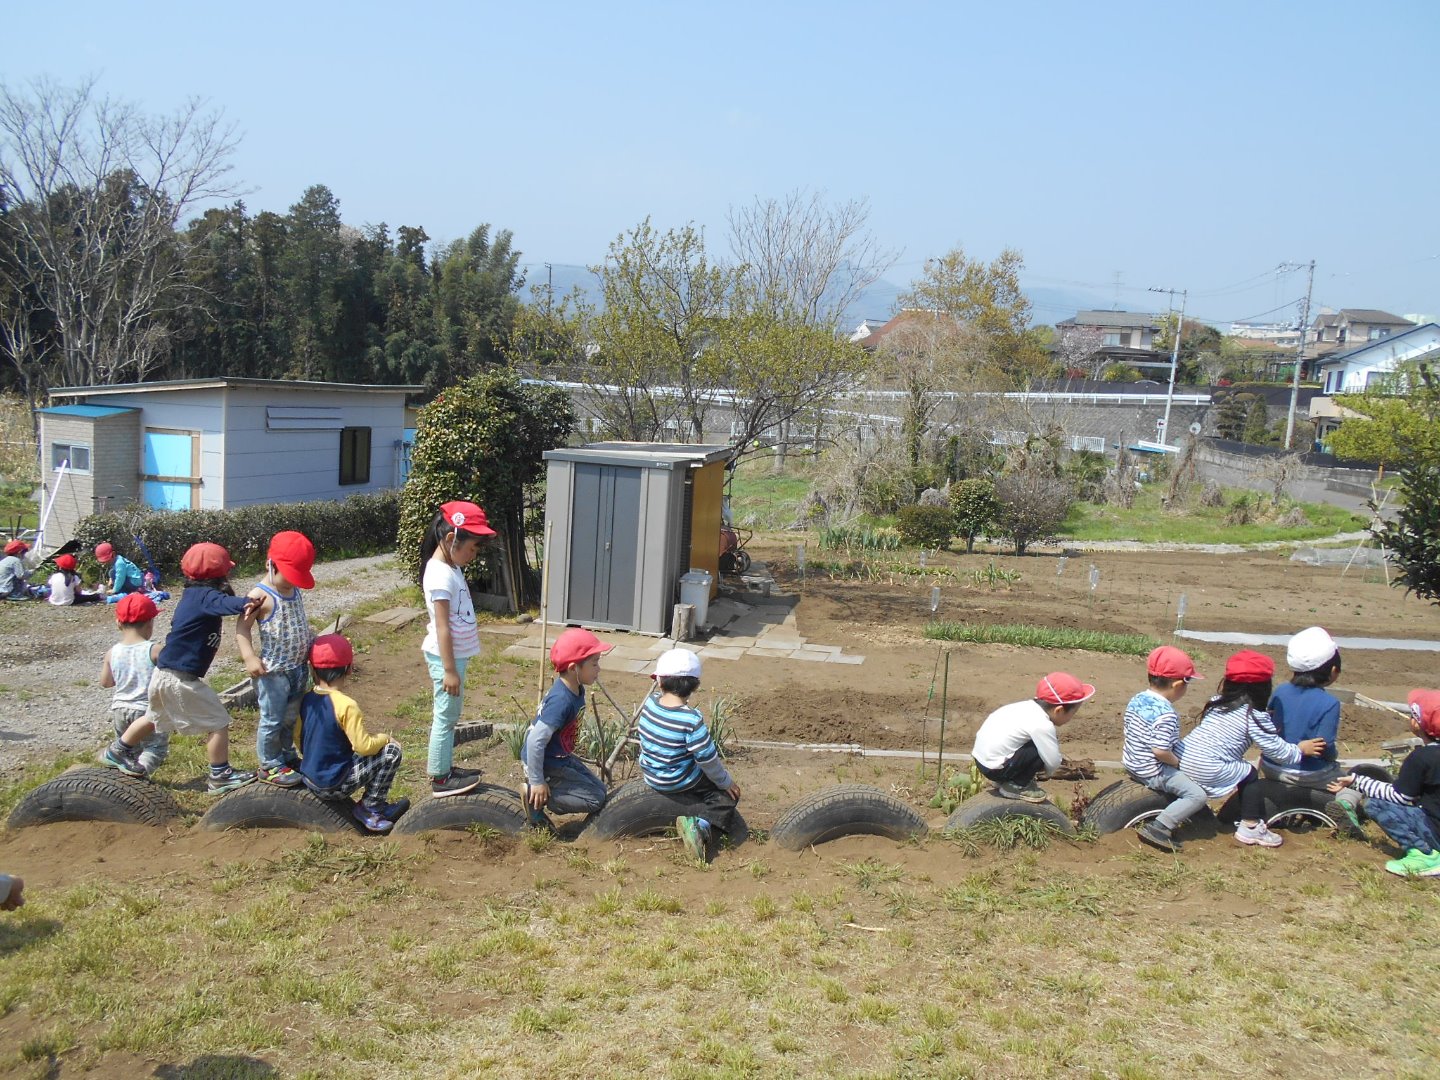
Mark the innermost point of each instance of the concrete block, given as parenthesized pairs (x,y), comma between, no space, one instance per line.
(720,652)
(775,654)
(837,658)
(812,647)
(633,666)
(812,657)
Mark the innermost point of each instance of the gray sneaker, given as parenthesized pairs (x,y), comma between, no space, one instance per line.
(229,780)
(1031,792)
(1156,835)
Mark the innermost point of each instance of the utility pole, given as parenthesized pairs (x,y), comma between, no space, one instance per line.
(549,287)
(1299,359)
(1174,359)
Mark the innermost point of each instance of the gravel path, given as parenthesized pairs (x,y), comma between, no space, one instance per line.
(51,701)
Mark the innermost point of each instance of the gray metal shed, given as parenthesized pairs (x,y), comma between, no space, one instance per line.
(625,520)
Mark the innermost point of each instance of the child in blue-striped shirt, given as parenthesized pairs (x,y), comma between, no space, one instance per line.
(679,757)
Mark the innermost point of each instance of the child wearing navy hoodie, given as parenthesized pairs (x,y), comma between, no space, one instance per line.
(180,699)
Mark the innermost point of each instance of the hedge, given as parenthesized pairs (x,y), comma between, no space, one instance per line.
(360,525)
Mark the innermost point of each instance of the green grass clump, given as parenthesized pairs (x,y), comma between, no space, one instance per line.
(1149,522)
(1042,637)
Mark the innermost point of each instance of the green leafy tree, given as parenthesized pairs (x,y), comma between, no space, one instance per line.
(975,507)
(1201,347)
(1231,414)
(925,526)
(1390,430)
(476,287)
(481,440)
(1412,537)
(1257,422)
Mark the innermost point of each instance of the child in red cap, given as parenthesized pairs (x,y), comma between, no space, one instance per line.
(554,776)
(281,669)
(66,586)
(452,638)
(338,755)
(1213,755)
(180,698)
(1152,738)
(1017,742)
(1409,809)
(128,667)
(122,577)
(15,575)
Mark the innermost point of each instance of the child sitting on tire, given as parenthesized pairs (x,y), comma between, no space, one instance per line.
(1152,738)
(337,755)
(1213,755)
(679,758)
(128,667)
(1409,809)
(1019,741)
(554,776)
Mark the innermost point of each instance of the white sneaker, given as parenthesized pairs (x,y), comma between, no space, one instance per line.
(1259,833)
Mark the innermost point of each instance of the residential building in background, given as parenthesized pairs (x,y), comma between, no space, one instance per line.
(1332,331)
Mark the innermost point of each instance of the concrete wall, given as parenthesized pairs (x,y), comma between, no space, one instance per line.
(110,482)
(1348,488)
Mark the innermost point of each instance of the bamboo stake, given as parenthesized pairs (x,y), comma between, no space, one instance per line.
(944,704)
(544,614)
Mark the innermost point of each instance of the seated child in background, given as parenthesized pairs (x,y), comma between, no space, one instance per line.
(15,575)
(1303,709)
(281,670)
(679,757)
(554,776)
(338,756)
(127,667)
(12,892)
(66,585)
(1409,809)
(1213,755)
(1152,739)
(180,698)
(122,576)
(1017,742)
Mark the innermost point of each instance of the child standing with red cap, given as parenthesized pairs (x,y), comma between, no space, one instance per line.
(452,637)
(128,667)
(339,755)
(1017,742)
(1409,809)
(180,698)
(1213,755)
(554,776)
(281,670)
(1152,739)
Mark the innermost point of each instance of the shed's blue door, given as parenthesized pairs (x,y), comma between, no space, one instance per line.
(604,545)
(171,462)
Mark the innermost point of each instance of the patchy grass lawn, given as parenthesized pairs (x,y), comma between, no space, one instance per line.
(1147,521)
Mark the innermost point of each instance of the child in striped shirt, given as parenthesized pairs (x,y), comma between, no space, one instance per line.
(678,756)
(1152,736)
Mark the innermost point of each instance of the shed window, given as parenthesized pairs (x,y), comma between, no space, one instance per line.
(78,456)
(355,455)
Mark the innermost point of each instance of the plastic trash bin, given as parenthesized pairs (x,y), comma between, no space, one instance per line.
(695,591)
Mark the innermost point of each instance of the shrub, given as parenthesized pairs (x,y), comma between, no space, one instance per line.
(974,506)
(926,526)
(360,525)
(1033,505)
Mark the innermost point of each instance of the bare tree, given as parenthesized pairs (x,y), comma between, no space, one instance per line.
(94,190)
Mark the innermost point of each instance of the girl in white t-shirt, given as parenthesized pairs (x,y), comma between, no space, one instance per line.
(452,638)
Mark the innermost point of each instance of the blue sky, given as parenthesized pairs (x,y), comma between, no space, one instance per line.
(1186,145)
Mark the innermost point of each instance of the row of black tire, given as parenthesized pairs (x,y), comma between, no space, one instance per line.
(634,809)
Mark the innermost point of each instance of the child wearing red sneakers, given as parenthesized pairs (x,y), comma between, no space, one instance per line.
(338,756)
(180,699)
(554,776)
(128,667)
(1409,809)
(281,669)
(1017,742)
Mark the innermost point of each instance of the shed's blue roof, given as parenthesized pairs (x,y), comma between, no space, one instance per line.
(87,410)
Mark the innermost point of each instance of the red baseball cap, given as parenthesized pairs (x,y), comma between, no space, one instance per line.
(1247,665)
(104,552)
(1168,662)
(135,607)
(1425,707)
(1060,688)
(331,651)
(65,562)
(293,555)
(466,516)
(203,562)
(574,646)
(16,547)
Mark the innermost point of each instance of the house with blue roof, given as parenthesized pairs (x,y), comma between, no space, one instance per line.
(214,444)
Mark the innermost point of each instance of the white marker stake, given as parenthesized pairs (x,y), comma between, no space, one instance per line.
(934,599)
(1180,614)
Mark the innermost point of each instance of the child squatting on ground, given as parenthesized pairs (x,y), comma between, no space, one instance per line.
(452,637)
(128,667)
(1152,739)
(281,670)
(338,756)
(1019,741)
(679,757)
(67,587)
(180,699)
(1213,755)
(15,575)
(1409,809)
(554,776)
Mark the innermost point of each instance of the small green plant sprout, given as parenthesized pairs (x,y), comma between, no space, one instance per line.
(956,788)
(721,724)
(993,577)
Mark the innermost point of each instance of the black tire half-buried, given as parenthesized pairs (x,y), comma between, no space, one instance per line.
(846,810)
(96,795)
